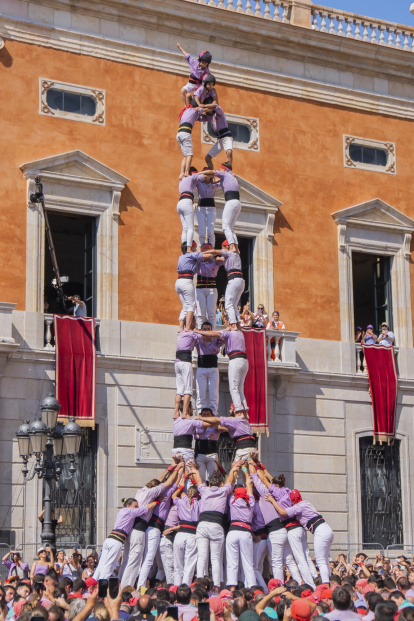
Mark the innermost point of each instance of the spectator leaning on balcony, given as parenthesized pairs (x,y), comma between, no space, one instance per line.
(261,318)
(79,308)
(386,338)
(275,324)
(370,338)
(246,316)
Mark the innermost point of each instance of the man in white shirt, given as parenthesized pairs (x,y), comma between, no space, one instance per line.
(386,338)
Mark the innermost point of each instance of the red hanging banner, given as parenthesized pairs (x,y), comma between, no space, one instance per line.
(75,351)
(383,382)
(256,383)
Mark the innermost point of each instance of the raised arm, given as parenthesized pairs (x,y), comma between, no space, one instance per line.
(182,50)
(267,598)
(6,557)
(195,474)
(247,479)
(263,478)
(211,420)
(52,558)
(32,570)
(178,492)
(212,333)
(278,508)
(233,474)
(40,516)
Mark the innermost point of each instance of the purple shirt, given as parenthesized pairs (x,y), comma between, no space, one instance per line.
(197,71)
(303,511)
(232,261)
(163,508)
(206,190)
(189,184)
(185,512)
(237,426)
(228,181)
(24,567)
(240,511)
(190,115)
(214,498)
(188,262)
(186,341)
(208,268)
(234,340)
(281,495)
(126,517)
(218,120)
(211,433)
(269,513)
(172,518)
(188,611)
(186,426)
(144,496)
(208,348)
(257,520)
(202,93)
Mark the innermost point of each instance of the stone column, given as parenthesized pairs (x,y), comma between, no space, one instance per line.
(301,13)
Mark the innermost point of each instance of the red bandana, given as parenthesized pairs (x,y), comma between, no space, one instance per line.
(241,492)
(295,496)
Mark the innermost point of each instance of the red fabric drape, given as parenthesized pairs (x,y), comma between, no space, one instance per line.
(75,366)
(383,381)
(255,385)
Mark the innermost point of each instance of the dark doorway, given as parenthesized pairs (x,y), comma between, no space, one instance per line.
(246,246)
(372,290)
(75,498)
(74,239)
(381,492)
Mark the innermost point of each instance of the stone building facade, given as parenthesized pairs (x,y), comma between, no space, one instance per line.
(308,86)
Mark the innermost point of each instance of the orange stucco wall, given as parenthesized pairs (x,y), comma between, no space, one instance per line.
(300,163)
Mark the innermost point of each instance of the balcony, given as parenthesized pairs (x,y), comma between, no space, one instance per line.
(361,368)
(284,350)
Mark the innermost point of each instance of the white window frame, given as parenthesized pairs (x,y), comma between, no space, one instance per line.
(75,183)
(389,147)
(376,228)
(250,122)
(98,94)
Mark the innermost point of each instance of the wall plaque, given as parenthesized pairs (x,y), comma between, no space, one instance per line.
(153,446)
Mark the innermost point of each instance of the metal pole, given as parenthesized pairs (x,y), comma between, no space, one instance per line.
(48,536)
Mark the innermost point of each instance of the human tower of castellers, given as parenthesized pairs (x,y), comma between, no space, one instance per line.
(197,516)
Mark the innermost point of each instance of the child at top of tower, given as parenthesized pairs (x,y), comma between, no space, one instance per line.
(199,68)
(206,92)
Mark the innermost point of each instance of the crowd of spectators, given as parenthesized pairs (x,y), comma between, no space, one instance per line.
(358,590)
(385,338)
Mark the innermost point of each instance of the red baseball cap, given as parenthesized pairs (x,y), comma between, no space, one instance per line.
(362,582)
(301,610)
(226,594)
(91,582)
(274,583)
(326,594)
(225,243)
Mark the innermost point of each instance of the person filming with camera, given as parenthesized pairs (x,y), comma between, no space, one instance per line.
(386,338)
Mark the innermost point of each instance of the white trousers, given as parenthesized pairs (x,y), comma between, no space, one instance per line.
(111,550)
(185,140)
(186,292)
(132,558)
(238,368)
(222,144)
(282,554)
(260,551)
(210,536)
(311,564)
(299,545)
(185,210)
(152,541)
(206,463)
(206,306)
(206,218)
(207,379)
(184,377)
(167,558)
(234,290)
(322,541)
(185,558)
(231,212)
(186,454)
(240,544)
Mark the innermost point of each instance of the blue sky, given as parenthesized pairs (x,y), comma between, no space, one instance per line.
(390,10)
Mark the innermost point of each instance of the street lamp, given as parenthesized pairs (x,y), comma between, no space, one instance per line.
(49,441)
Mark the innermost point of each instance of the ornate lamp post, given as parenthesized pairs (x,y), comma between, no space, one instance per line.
(49,442)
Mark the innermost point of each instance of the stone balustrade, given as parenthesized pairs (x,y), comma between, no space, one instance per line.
(361,367)
(362,28)
(284,347)
(323,19)
(276,10)
(49,338)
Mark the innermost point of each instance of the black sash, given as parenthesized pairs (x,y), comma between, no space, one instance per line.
(187,128)
(157,522)
(205,447)
(188,527)
(245,442)
(211,516)
(140,525)
(313,524)
(207,361)
(231,274)
(222,133)
(187,195)
(206,202)
(184,441)
(118,534)
(275,524)
(236,354)
(184,355)
(231,195)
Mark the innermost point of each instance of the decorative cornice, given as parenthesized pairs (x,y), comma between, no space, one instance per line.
(270,39)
